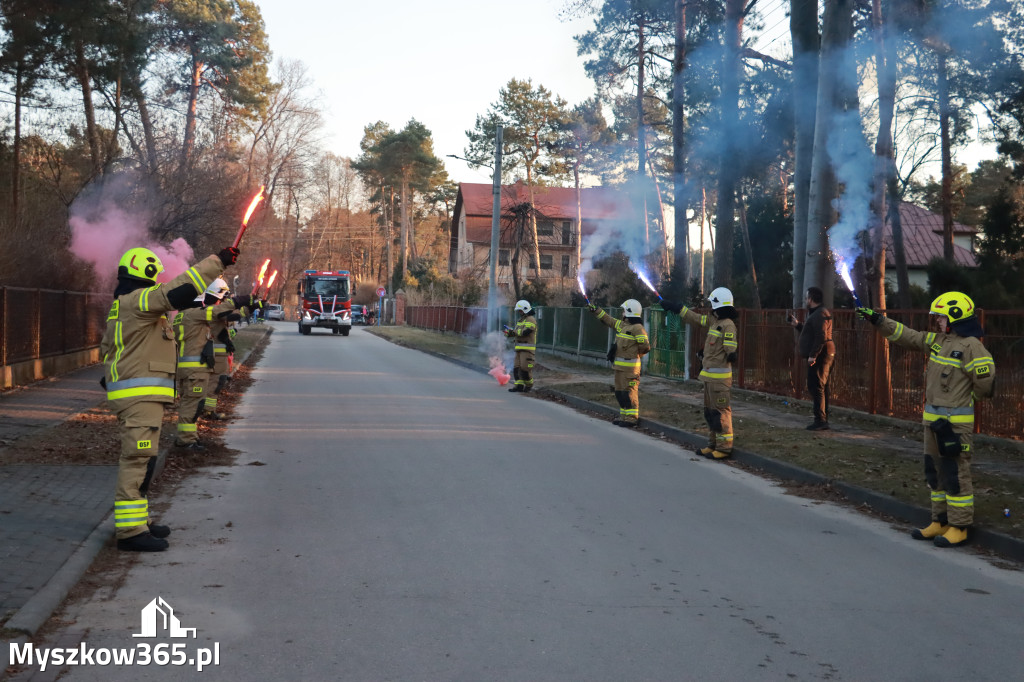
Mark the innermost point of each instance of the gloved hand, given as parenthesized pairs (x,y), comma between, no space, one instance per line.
(611,353)
(731,358)
(245,301)
(229,346)
(103,383)
(228,255)
(869,315)
(233,332)
(592,308)
(700,355)
(672,306)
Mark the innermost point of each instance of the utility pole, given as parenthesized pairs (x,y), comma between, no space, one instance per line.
(492,285)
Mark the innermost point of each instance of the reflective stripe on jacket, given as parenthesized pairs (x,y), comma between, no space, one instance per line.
(138,343)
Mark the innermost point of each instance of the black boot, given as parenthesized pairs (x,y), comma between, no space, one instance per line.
(159,531)
(143,542)
(518,388)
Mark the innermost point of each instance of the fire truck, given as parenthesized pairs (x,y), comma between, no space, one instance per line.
(325,297)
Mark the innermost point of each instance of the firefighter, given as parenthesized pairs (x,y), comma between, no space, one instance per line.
(631,344)
(197,359)
(221,321)
(525,335)
(960,369)
(717,359)
(138,356)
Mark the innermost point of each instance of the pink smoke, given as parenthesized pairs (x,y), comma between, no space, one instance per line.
(101,236)
(498,371)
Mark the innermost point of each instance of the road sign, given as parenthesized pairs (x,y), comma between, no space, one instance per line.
(381,291)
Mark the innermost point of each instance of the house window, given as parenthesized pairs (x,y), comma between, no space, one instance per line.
(566,232)
(502,256)
(565,266)
(546,261)
(545,228)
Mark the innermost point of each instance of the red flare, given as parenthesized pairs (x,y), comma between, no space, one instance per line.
(248,214)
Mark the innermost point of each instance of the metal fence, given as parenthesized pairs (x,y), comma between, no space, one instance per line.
(41,323)
(768,361)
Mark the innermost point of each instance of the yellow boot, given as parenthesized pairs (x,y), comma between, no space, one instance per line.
(718,454)
(705,452)
(929,532)
(953,537)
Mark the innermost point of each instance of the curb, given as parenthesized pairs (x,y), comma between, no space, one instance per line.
(1004,545)
(41,606)
(1000,543)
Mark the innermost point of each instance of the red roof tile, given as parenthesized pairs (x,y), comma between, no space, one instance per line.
(922,238)
(555,203)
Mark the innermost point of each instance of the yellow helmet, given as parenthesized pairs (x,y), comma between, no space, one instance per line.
(141,264)
(954,305)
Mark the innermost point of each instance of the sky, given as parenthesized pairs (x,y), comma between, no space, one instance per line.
(442,63)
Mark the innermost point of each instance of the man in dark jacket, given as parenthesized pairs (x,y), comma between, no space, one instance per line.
(816,345)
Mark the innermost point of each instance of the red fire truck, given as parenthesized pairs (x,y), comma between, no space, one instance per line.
(326,300)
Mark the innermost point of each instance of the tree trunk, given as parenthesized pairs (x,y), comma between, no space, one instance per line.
(533,225)
(725,211)
(947,162)
(884,165)
(147,130)
(85,82)
(641,138)
(803,27)
(681,227)
(16,160)
(821,214)
(750,252)
(191,111)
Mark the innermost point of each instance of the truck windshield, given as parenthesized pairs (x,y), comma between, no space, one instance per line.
(327,287)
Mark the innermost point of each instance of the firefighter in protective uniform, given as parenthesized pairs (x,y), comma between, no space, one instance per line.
(221,322)
(960,370)
(631,344)
(717,359)
(139,362)
(525,335)
(197,358)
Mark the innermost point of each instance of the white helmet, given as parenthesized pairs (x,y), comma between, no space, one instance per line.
(218,288)
(523,307)
(632,308)
(721,297)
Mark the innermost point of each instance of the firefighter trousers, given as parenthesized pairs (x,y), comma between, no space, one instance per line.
(192,389)
(524,363)
(718,414)
(139,426)
(627,393)
(949,478)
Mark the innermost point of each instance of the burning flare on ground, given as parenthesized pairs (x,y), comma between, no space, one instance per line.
(248,214)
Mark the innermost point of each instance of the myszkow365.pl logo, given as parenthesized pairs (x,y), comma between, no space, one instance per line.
(158,619)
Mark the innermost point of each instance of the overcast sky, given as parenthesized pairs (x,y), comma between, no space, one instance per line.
(442,62)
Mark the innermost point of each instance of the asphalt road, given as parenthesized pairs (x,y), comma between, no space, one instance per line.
(395,517)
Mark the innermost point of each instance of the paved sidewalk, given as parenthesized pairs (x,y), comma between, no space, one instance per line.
(46,512)
(52,517)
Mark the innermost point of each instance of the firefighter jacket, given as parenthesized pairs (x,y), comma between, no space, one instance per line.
(631,343)
(138,344)
(525,334)
(960,369)
(719,344)
(217,319)
(816,333)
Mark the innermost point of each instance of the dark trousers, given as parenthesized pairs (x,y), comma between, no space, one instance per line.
(818,378)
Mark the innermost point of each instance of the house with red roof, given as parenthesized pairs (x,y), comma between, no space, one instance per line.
(558,227)
(922,241)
